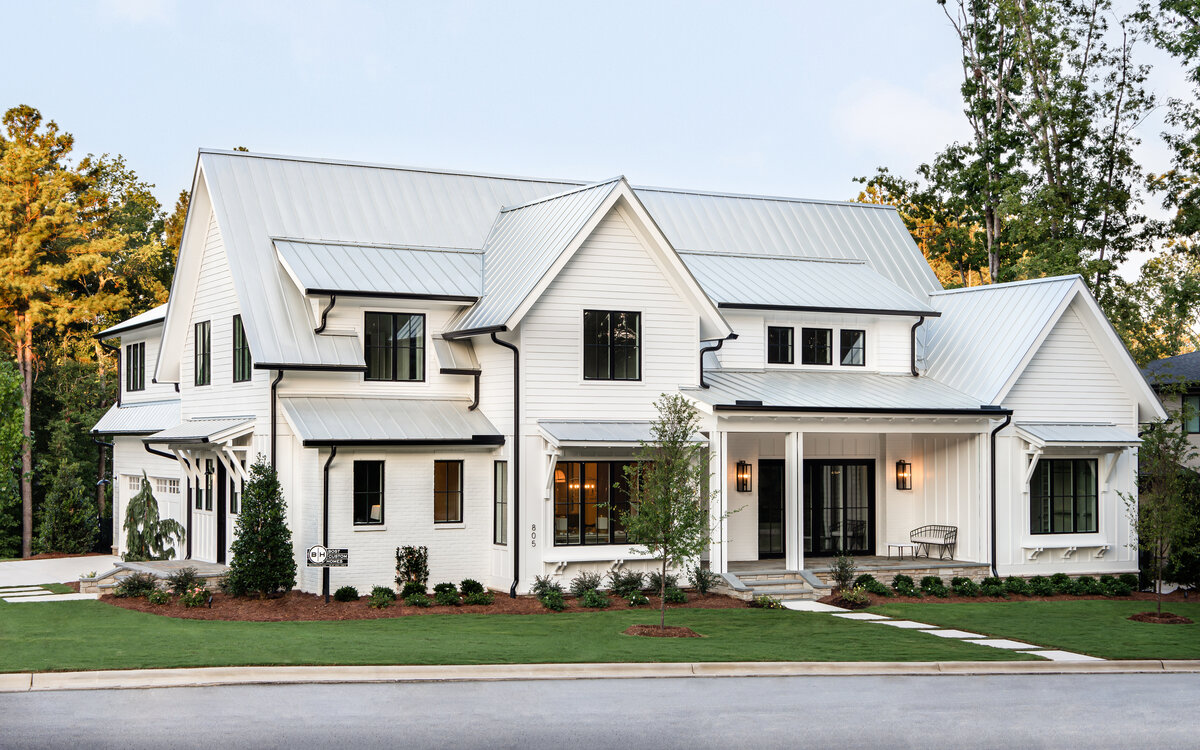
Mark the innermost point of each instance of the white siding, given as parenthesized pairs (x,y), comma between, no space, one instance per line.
(130,459)
(151,335)
(887,340)
(950,488)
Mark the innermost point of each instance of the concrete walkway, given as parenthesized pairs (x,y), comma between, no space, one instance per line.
(58,570)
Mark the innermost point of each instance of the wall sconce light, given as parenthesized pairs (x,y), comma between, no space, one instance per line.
(743,476)
(903,475)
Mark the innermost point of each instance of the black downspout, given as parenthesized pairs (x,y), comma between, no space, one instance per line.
(274,400)
(325,523)
(1005,423)
(116,350)
(913,345)
(475,403)
(325,314)
(714,348)
(516,505)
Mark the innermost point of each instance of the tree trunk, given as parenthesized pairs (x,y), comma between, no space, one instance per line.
(662,594)
(25,366)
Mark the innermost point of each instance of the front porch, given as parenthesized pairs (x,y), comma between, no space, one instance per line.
(883,568)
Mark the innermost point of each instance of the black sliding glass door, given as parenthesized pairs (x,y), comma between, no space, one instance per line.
(839,507)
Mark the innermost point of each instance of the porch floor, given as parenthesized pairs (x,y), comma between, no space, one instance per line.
(864,564)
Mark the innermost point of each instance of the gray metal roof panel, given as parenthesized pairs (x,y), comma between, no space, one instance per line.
(199,430)
(383,270)
(154,315)
(333,419)
(591,431)
(829,390)
(139,419)
(455,355)
(1077,433)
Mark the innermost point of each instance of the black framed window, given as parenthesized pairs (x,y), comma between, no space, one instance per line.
(1191,414)
(1063,496)
(816,346)
(210,471)
(235,489)
(368,493)
(203,351)
(612,345)
(395,346)
(854,348)
(589,501)
(242,363)
(447,491)
(781,349)
(135,367)
(500,502)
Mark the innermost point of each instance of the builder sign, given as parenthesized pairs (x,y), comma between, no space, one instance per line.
(324,557)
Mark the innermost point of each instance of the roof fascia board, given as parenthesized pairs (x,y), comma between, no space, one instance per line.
(119,331)
(818,309)
(316,292)
(302,366)
(1038,340)
(184,281)
(986,413)
(490,440)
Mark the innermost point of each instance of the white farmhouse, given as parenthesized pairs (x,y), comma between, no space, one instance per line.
(466,361)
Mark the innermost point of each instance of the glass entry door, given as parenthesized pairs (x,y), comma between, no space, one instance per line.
(839,507)
(770,509)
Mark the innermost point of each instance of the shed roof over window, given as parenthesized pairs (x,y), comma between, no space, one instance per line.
(1063,434)
(334,420)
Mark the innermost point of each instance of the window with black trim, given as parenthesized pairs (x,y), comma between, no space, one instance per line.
(500,502)
(242,363)
(1063,496)
(135,367)
(1191,414)
(816,346)
(612,345)
(781,345)
(395,346)
(203,352)
(854,348)
(210,471)
(368,493)
(590,498)
(447,491)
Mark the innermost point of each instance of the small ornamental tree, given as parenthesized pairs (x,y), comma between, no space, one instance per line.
(668,513)
(148,536)
(67,519)
(263,561)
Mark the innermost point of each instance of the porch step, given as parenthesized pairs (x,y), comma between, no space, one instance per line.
(781,584)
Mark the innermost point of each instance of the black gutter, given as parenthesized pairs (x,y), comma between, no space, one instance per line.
(1005,423)
(516,504)
(714,348)
(912,346)
(274,403)
(821,309)
(468,332)
(117,330)
(116,350)
(393,295)
(155,452)
(746,406)
(325,522)
(473,372)
(307,367)
(473,440)
(325,314)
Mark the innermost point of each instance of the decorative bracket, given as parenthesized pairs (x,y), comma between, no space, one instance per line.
(1068,551)
(1035,551)
(1100,551)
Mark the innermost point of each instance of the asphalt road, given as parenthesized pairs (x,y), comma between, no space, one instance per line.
(1020,711)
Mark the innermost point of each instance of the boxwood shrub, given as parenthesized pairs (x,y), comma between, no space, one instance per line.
(1041,586)
(593,599)
(964,586)
(1016,585)
(933,586)
(993,586)
(470,586)
(553,600)
(904,586)
(346,594)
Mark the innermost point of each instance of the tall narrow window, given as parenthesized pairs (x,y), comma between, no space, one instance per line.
(209,471)
(854,348)
(395,346)
(500,500)
(781,345)
(447,491)
(242,364)
(1191,414)
(368,493)
(235,487)
(203,349)
(1063,495)
(135,367)
(612,345)
(816,346)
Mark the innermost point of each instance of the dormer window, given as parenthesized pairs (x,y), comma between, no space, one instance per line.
(854,348)
(781,349)
(612,345)
(816,346)
(135,367)
(395,346)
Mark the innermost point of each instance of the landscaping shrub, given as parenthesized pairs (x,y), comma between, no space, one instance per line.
(702,579)
(470,586)
(445,587)
(625,582)
(1016,585)
(593,599)
(636,599)
(346,594)
(904,586)
(543,585)
(993,586)
(1041,586)
(1088,586)
(479,598)
(264,561)
(871,585)
(135,584)
(446,594)
(412,564)
(964,586)
(183,579)
(676,595)
(418,599)
(843,571)
(553,600)
(412,587)
(1062,583)
(381,597)
(933,586)
(654,581)
(856,597)
(584,582)
(1116,587)
(197,596)
(766,602)
(1131,580)
(148,536)
(158,596)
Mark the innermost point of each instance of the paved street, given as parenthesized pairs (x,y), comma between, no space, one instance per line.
(1025,711)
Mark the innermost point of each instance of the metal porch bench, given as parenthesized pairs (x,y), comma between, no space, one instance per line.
(935,535)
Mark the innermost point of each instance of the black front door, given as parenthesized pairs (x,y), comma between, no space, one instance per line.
(220,516)
(770,509)
(839,507)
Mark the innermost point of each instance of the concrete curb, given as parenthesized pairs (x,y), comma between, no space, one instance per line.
(213,676)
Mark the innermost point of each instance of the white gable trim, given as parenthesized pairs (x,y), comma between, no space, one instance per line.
(184,281)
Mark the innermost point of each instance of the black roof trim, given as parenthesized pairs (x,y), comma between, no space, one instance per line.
(843,310)
(473,440)
(314,368)
(750,406)
(468,332)
(394,295)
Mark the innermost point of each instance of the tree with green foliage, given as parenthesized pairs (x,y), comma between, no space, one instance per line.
(147,535)
(263,561)
(67,521)
(668,516)
(11,440)
(1156,314)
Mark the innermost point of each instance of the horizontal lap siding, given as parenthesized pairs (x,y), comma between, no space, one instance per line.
(151,335)
(131,459)
(887,339)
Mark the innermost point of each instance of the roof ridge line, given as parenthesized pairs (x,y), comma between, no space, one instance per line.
(1007,284)
(563,194)
(727,254)
(754,196)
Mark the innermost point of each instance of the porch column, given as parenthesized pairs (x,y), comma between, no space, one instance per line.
(718,450)
(793,520)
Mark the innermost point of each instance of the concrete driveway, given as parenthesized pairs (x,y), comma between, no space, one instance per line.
(60,570)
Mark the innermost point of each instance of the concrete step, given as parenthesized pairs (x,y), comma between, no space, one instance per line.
(786,594)
(783,583)
(774,575)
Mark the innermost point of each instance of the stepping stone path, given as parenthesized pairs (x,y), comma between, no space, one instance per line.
(963,635)
(23,594)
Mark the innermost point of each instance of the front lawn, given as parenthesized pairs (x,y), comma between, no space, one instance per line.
(1099,627)
(93,635)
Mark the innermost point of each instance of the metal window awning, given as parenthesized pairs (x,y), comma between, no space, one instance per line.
(1044,434)
(201,431)
(598,433)
(336,420)
(138,419)
(455,357)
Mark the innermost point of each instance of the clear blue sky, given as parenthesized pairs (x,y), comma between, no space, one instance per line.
(790,98)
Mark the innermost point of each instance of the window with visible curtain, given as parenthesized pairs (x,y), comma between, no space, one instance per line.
(203,353)
(781,345)
(135,367)
(500,503)
(1063,496)
(590,500)
(612,345)
(368,493)
(242,364)
(447,491)
(816,346)
(394,346)
(854,348)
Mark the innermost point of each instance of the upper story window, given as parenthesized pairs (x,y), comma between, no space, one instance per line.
(1191,414)
(135,367)
(368,493)
(242,363)
(854,348)
(203,350)
(816,346)
(395,346)
(781,345)
(447,491)
(612,345)
(1062,496)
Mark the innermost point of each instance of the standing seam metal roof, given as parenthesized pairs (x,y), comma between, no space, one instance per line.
(366,269)
(139,419)
(335,419)
(829,390)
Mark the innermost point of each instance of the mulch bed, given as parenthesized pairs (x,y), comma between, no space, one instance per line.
(1166,618)
(1142,596)
(296,606)
(670,631)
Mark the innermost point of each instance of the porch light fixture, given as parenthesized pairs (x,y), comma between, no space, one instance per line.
(903,475)
(743,476)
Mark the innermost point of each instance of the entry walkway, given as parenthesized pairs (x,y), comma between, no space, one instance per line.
(55,570)
(23,594)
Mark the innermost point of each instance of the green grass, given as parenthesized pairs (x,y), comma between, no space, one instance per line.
(1095,627)
(93,635)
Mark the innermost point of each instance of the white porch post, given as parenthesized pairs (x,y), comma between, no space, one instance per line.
(793,498)
(718,549)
